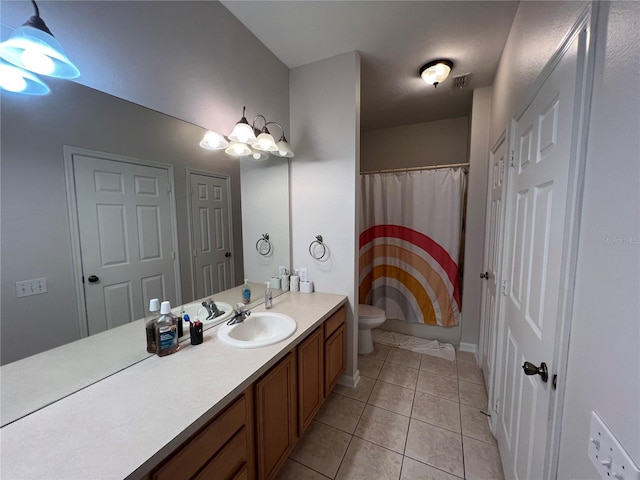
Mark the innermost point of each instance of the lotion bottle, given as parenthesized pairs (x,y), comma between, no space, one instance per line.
(150,327)
(268,297)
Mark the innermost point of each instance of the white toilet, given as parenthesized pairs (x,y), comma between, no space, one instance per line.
(369,317)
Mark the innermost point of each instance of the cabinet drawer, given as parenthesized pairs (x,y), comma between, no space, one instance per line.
(229,462)
(334,321)
(197,451)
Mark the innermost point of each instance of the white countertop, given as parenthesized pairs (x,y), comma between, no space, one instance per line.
(127,423)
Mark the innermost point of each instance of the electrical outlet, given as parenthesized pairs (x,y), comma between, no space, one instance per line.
(607,455)
(26,288)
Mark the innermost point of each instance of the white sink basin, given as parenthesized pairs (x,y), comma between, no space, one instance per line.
(196,310)
(258,330)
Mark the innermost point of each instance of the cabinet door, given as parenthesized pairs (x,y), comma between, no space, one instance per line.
(310,378)
(276,416)
(334,357)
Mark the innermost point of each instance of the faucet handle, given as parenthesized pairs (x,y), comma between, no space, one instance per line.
(240,307)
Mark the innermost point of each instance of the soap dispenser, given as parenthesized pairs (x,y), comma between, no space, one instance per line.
(246,292)
(268,297)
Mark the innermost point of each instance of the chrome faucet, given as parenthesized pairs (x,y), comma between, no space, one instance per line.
(212,309)
(240,314)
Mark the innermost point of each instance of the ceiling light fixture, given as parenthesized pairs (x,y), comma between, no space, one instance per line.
(33,47)
(246,140)
(436,71)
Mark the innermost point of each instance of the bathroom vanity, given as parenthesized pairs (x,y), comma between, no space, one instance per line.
(207,408)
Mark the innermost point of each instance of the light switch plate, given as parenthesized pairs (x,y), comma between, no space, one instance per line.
(607,454)
(25,288)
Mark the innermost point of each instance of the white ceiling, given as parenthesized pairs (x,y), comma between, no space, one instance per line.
(394,38)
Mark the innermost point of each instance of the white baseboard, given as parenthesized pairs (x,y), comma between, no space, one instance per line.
(350,381)
(468,347)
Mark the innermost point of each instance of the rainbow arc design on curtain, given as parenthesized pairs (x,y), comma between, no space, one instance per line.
(403,270)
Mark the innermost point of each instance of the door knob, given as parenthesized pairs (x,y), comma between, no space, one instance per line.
(93,279)
(530,369)
(227,254)
(485,275)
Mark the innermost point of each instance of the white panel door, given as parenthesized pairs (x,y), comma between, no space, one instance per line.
(535,238)
(210,215)
(492,251)
(124,218)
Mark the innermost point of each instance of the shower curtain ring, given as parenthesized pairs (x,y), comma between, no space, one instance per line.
(312,249)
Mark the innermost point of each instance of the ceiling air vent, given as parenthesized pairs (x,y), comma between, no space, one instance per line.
(460,81)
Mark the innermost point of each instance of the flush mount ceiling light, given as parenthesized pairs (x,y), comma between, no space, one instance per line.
(247,141)
(17,80)
(436,71)
(33,47)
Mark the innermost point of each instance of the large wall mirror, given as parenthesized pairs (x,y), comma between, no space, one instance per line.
(80,129)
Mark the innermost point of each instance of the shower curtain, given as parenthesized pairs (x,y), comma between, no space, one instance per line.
(410,242)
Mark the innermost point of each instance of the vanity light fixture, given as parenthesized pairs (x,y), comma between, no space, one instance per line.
(33,47)
(247,141)
(436,71)
(14,79)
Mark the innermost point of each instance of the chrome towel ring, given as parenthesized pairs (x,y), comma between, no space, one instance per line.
(263,245)
(315,245)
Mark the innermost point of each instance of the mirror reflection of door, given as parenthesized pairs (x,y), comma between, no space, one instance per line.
(124,219)
(211,234)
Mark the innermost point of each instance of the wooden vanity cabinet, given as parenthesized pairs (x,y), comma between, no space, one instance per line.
(223,449)
(276,416)
(310,378)
(335,345)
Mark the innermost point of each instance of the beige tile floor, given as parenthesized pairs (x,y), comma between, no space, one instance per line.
(412,417)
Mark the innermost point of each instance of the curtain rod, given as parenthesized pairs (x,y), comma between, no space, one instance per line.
(415,169)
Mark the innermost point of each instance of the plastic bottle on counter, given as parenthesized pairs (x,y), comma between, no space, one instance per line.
(150,327)
(246,292)
(166,331)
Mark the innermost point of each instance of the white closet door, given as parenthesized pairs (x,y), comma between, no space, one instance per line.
(124,218)
(210,215)
(498,162)
(536,238)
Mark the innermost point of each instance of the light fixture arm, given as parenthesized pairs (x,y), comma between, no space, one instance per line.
(282,137)
(36,21)
(264,126)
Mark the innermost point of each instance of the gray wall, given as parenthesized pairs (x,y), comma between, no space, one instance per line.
(604,357)
(416,145)
(325,115)
(475,226)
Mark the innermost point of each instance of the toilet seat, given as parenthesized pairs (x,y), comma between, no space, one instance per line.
(369,312)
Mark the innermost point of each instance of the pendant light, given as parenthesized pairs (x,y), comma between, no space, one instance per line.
(243,132)
(436,71)
(33,47)
(17,80)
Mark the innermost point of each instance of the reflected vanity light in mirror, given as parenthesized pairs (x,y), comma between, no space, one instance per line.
(243,140)
(213,141)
